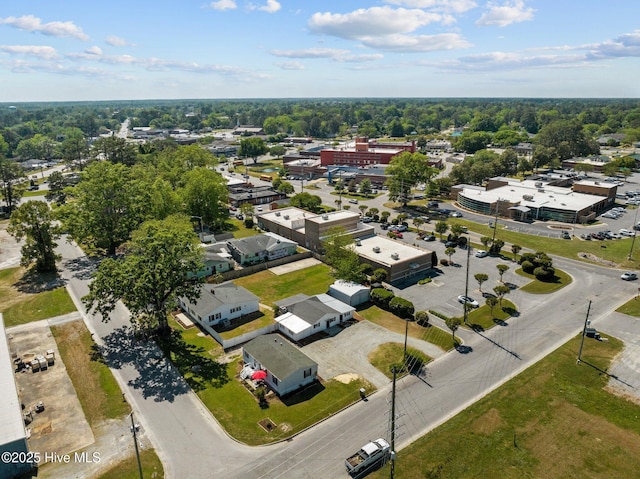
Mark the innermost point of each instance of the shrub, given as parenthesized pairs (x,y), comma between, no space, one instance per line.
(422,318)
(425,281)
(544,274)
(401,307)
(528,267)
(379,275)
(366,268)
(444,262)
(530,257)
(248,223)
(381,297)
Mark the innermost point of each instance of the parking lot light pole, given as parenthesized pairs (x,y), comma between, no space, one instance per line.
(466,284)
(633,238)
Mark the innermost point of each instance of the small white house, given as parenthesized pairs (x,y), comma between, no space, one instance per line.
(220,303)
(287,368)
(259,248)
(349,292)
(304,315)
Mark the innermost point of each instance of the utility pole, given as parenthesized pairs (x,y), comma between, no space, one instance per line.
(633,238)
(495,221)
(406,333)
(393,425)
(466,284)
(584,332)
(135,442)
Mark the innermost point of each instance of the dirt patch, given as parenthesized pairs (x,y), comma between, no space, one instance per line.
(488,423)
(597,259)
(346,378)
(268,425)
(61,427)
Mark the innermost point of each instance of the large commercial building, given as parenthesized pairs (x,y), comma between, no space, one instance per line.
(310,229)
(536,200)
(364,153)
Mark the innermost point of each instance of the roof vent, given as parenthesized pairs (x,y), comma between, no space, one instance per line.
(395,256)
(286,217)
(325,217)
(376,249)
(278,213)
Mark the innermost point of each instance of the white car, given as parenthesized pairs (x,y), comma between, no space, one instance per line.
(482,254)
(456,214)
(628,276)
(625,232)
(468,300)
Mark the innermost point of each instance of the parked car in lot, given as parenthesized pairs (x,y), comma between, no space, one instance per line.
(451,244)
(429,238)
(626,232)
(367,219)
(468,300)
(482,254)
(353,202)
(566,235)
(456,214)
(629,276)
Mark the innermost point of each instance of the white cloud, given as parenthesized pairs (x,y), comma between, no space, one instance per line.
(457,6)
(417,43)
(94,50)
(55,29)
(290,65)
(272,6)
(224,5)
(44,52)
(627,45)
(330,53)
(503,15)
(115,41)
(373,21)
(310,53)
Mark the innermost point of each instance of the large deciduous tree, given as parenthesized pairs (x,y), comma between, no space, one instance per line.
(405,171)
(341,255)
(566,139)
(10,187)
(115,150)
(74,148)
(306,201)
(160,265)
(252,148)
(105,207)
(33,223)
(205,195)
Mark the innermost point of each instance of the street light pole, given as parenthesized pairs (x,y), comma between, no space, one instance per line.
(633,239)
(135,441)
(466,284)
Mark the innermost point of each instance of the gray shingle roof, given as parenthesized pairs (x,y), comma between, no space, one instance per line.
(214,296)
(278,355)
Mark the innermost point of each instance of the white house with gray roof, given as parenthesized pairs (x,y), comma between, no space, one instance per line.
(287,368)
(220,303)
(259,248)
(306,315)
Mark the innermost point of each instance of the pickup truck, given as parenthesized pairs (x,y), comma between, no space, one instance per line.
(370,454)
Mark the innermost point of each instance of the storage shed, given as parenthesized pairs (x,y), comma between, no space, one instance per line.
(349,292)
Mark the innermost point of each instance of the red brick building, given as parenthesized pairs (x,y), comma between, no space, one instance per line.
(365,153)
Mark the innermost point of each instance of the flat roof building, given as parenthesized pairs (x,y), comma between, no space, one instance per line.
(400,260)
(13,437)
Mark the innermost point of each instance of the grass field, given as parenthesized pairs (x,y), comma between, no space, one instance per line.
(19,307)
(555,420)
(151,467)
(237,228)
(387,320)
(483,318)
(562,279)
(97,390)
(270,287)
(238,411)
(385,356)
(614,250)
(631,307)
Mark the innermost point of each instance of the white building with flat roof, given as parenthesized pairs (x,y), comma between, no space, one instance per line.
(13,437)
(400,260)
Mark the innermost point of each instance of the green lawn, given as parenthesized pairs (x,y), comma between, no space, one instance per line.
(151,467)
(97,390)
(631,307)
(555,420)
(614,250)
(483,318)
(387,320)
(239,413)
(387,355)
(237,228)
(264,319)
(47,304)
(561,280)
(270,287)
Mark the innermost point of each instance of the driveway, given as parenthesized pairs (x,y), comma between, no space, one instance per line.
(347,351)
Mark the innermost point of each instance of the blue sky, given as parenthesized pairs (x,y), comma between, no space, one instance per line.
(139,49)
